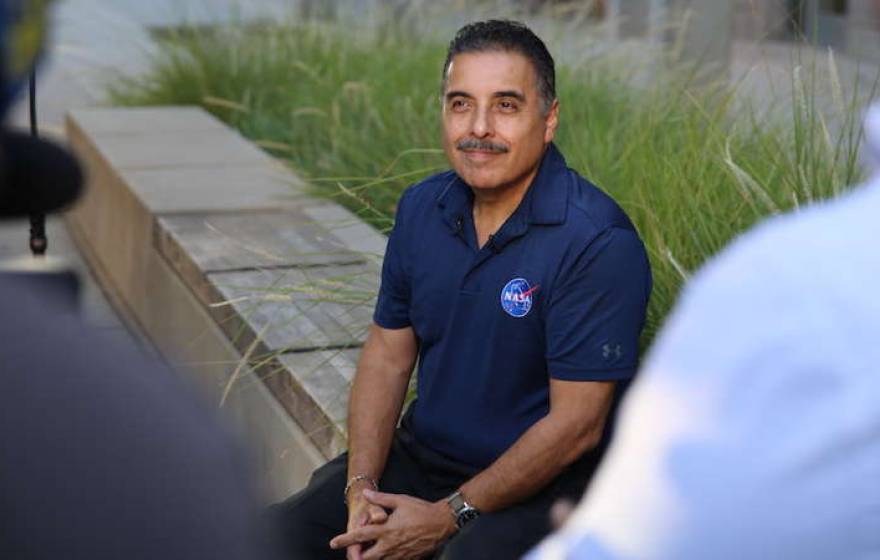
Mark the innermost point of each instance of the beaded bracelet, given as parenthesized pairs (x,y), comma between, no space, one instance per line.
(353,480)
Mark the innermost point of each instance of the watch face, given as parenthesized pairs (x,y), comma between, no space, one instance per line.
(466,517)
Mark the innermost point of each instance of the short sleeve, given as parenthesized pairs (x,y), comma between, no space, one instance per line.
(597,310)
(392,305)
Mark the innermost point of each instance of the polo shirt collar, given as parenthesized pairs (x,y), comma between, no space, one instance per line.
(545,201)
(549,190)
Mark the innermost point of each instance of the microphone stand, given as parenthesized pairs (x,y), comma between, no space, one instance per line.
(38,242)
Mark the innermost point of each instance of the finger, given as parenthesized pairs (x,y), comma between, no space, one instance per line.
(353,552)
(360,520)
(363,534)
(390,501)
(375,552)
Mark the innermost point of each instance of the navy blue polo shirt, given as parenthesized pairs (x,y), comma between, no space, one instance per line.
(559,291)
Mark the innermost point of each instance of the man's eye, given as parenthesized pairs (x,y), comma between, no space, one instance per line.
(459,105)
(507,105)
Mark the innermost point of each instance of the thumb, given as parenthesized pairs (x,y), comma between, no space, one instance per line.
(376,514)
(390,501)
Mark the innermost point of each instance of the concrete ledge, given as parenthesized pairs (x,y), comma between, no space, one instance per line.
(260,291)
(136,120)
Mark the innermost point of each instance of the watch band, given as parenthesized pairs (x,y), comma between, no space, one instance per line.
(462,511)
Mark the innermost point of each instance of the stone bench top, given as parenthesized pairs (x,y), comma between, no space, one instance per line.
(290,278)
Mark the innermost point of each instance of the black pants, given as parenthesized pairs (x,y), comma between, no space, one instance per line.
(312,517)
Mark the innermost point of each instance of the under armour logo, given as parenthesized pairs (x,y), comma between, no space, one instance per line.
(609,350)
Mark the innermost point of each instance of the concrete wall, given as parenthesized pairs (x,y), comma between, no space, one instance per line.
(762,19)
(863,30)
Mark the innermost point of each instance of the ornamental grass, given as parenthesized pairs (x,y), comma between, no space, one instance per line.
(355,111)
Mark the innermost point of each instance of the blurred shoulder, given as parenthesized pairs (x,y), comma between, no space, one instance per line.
(824,245)
(797,288)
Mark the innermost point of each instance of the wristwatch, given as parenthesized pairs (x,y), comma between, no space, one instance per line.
(463,512)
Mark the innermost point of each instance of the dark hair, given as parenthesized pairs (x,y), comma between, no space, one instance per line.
(506,35)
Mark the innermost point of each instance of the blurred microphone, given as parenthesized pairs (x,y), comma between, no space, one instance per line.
(36,176)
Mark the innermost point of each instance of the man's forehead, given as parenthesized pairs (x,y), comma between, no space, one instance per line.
(491,68)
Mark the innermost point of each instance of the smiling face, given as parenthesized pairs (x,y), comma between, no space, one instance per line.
(495,123)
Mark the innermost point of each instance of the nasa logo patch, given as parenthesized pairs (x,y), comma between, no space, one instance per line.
(516,297)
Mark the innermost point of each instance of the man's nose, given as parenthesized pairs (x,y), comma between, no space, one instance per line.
(481,126)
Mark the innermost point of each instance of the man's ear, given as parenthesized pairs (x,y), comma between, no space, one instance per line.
(551,121)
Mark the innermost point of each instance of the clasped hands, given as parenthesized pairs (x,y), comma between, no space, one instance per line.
(393,526)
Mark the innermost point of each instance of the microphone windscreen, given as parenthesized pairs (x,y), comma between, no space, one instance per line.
(36,176)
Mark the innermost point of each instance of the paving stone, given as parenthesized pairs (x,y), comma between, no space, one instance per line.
(196,245)
(351,230)
(165,149)
(295,308)
(213,189)
(140,120)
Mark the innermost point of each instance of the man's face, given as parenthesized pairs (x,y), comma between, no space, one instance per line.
(495,126)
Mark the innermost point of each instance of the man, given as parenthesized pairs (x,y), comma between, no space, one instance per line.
(753,431)
(521,288)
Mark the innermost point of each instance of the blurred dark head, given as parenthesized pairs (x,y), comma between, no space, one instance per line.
(36,177)
(22,34)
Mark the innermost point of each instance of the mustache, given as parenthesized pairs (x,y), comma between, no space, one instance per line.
(481,145)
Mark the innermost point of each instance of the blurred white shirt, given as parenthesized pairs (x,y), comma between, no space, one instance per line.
(753,430)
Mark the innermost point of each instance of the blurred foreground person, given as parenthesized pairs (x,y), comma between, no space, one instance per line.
(754,430)
(103,454)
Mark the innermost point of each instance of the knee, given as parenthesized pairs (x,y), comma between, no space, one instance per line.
(493,537)
(319,503)
(303,527)
(290,514)
(289,522)
(464,546)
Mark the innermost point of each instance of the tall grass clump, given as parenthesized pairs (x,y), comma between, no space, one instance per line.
(357,114)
